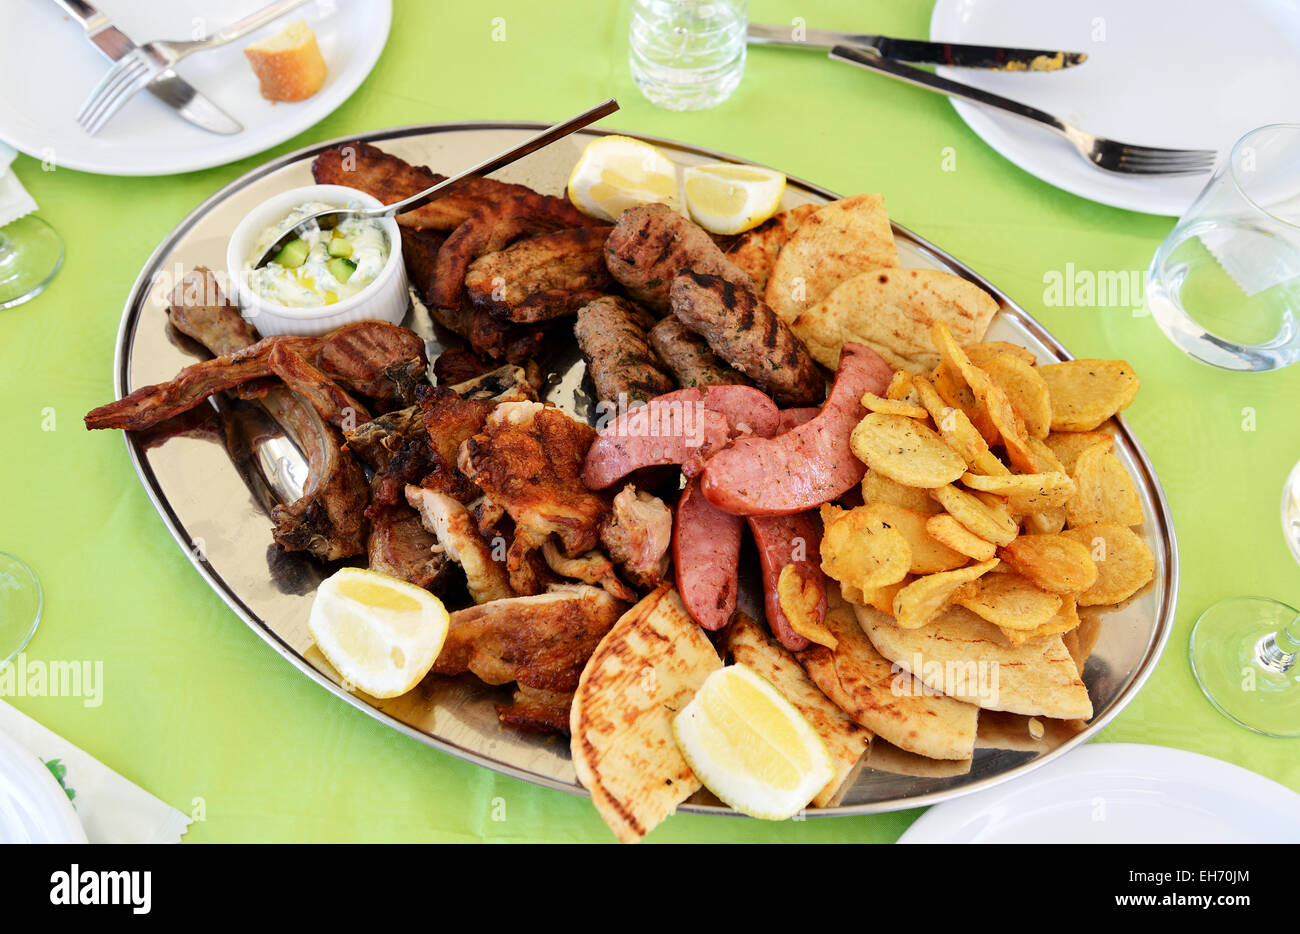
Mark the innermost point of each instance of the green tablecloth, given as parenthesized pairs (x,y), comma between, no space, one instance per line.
(199,711)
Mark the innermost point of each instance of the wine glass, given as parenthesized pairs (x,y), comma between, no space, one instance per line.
(1244,649)
(31,252)
(21,601)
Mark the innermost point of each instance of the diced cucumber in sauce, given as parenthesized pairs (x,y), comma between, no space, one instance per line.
(293,254)
(342,269)
(340,246)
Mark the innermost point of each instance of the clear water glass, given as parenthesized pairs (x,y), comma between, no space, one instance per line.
(21,601)
(687,54)
(1225,284)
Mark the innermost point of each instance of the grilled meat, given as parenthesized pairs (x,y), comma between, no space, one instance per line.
(742,330)
(400,547)
(325,395)
(420,256)
(372,358)
(457,364)
(198,309)
(396,447)
(536,711)
(448,421)
(687,355)
(611,333)
(543,277)
(651,244)
(454,530)
(592,568)
(638,534)
(489,335)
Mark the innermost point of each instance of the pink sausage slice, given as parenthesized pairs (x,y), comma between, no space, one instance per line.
(809,465)
(794,539)
(706,554)
(793,418)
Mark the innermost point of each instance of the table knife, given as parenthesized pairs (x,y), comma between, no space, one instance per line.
(920,53)
(168,87)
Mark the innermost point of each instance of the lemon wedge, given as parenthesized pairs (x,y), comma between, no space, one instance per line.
(729,199)
(615,173)
(381,634)
(750,746)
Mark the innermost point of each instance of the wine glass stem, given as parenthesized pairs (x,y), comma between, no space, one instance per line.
(1278,651)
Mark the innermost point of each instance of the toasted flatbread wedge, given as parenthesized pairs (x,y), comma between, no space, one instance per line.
(755,251)
(1001,730)
(892,311)
(832,244)
(884,698)
(846,741)
(646,668)
(886,757)
(964,656)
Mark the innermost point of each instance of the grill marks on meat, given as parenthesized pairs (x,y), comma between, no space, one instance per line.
(745,332)
(542,277)
(689,358)
(373,358)
(399,546)
(638,534)
(611,334)
(650,244)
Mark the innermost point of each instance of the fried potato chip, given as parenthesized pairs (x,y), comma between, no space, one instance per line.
(830,245)
(874,403)
(1106,492)
(900,386)
(923,600)
(877,488)
(949,531)
(1066,620)
(890,310)
(952,389)
(988,522)
(1124,562)
(905,450)
(982,353)
(1045,459)
(1025,389)
(1052,562)
(879,598)
(928,553)
(955,427)
(1068,445)
(1048,522)
(1087,392)
(800,599)
(1025,492)
(1009,601)
(861,550)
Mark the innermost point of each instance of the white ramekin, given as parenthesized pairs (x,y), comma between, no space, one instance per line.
(385,299)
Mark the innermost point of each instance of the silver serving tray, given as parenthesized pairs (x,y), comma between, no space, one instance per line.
(216,505)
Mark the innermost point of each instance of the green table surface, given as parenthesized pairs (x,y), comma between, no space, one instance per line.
(202,713)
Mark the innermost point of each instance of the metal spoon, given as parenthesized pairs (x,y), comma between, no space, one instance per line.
(327,219)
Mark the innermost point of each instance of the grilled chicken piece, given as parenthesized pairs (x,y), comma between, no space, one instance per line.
(451,525)
(396,447)
(543,277)
(755,250)
(492,228)
(611,333)
(687,355)
(651,243)
(536,711)
(400,547)
(638,534)
(390,179)
(528,459)
(540,642)
(448,421)
(742,330)
(592,568)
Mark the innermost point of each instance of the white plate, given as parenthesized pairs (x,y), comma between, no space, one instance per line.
(33,806)
(1191,74)
(1120,793)
(47,67)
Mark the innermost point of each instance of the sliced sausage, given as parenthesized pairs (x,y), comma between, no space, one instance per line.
(795,539)
(706,554)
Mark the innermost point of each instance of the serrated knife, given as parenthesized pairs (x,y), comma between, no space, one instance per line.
(168,87)
(989,57)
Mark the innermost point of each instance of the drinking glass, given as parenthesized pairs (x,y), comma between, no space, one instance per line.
(687,54)
(1225,284)
(31,252)
(21,601)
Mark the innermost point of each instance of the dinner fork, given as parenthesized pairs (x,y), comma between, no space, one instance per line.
(133,72)
(1108,154)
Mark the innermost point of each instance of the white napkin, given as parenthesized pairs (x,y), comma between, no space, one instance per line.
(15,202)
(111,809)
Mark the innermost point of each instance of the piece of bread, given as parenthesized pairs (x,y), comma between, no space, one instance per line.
(288,65)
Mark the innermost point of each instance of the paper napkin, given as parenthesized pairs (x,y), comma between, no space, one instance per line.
(15,202)
(111,809)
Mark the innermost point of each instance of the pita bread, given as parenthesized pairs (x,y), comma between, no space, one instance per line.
(648,666)
(882,697)
(755,251)
(832,244)
(1001,730)
(962,655)
(886,757)
(892,311)
(845,740)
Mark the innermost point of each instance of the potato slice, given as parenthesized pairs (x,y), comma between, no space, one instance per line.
(1087,392)
(1026,492)
(1045,459)
(861,550)
(900,386)
(905,450)
(956,428)
(1105,491)
(1065,621)
(956,536)
(1048,522)
(988,522)
(950,386)
(982,353)
(874,403)
(1124,562)
(1009,601)
(1053,562)
(923,600)
(1025,389)
(1068,445)
(878,598)
(928,553)
(800,599)
(877,488)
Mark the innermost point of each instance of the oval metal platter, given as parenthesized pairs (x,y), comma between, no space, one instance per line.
(216,505)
